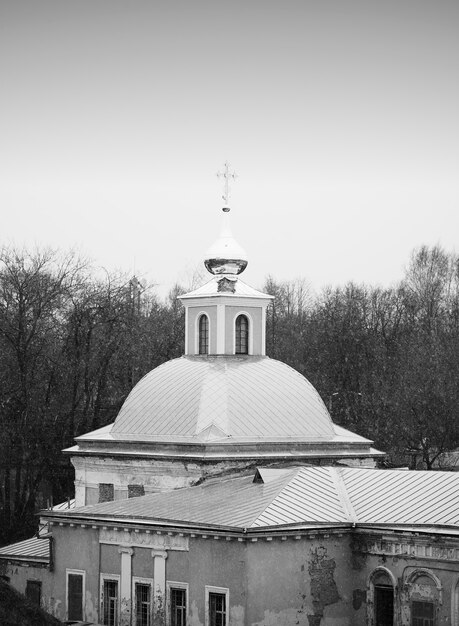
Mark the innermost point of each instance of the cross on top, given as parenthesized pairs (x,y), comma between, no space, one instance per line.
(227,175)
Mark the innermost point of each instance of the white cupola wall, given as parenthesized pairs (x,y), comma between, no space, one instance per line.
(224,317)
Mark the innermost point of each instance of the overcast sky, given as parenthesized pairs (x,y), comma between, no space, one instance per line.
(340,118)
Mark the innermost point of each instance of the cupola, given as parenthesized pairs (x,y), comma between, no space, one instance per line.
(225,316)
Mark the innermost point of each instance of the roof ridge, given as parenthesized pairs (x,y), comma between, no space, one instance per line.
(337,476)
(284,481)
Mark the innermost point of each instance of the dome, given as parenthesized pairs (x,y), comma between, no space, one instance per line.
(224,399)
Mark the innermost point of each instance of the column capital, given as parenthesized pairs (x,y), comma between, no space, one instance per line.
(162,554)
(125,550)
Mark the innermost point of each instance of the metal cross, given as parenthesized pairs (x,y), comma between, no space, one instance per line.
(227,175)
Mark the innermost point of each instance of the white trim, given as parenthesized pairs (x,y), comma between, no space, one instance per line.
(263,330)
(79,572)
(455,603)
(250,320)
(171,584)
(186,330)
(221,330)
(196,332)
(224,591)
(103,578)
(141,581)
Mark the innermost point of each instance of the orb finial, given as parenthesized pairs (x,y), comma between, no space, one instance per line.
(226,256)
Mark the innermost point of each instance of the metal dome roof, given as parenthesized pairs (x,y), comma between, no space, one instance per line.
(216,398)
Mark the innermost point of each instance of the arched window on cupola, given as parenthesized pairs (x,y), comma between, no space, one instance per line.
(242,335)
(203,334)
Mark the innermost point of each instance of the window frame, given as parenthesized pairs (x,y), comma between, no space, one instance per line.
(224,591)
(371,593)
(202,314)
(103,578)
(141,580)
(173,584)
(249,333)
(38,585)
(78,572)
(432,603)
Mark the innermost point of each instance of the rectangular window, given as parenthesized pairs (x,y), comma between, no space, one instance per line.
(178,606)
(110,602)
(33,592)
(142,604)
(134,491)
(217,609)
(422,613)
(217,603)
(106,492)
(75,595)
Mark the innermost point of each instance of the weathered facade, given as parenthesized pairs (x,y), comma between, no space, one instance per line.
(260,554)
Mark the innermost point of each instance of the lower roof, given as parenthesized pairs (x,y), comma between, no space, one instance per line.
(35,549)
(275,498)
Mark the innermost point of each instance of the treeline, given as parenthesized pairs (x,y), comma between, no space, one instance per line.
(385,361)
(73,344)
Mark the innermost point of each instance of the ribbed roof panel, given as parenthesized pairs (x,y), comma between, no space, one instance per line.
(403,497)
(311,496)
(33,548)
(304,495)
(247,397)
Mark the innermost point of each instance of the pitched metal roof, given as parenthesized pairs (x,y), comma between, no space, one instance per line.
(245,398)
(33,549)
(402,496)
(306,495)
(232,503)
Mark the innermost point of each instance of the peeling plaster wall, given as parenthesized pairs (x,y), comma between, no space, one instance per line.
(299,582)
(158,475)
(155,475)
(309,581)
(415,578)
(76,548)
(20,574)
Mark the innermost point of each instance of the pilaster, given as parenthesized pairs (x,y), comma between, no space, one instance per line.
(125,585)
(159,577)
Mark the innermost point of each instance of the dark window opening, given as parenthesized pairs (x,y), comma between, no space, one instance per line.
(203,334)
(422,613)
(217,609)
(178,607)
(242,335)
(106,492)
(134,491)
(75,596)
(142,604)
(110,602)
(33,592)
(384,605)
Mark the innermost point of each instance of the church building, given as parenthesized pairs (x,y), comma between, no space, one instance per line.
(224,495)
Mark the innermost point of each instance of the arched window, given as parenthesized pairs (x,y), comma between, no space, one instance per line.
(242,335)
(203,334)
(425,596)
(381,598)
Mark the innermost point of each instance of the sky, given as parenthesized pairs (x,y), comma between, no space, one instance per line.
(340,118)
